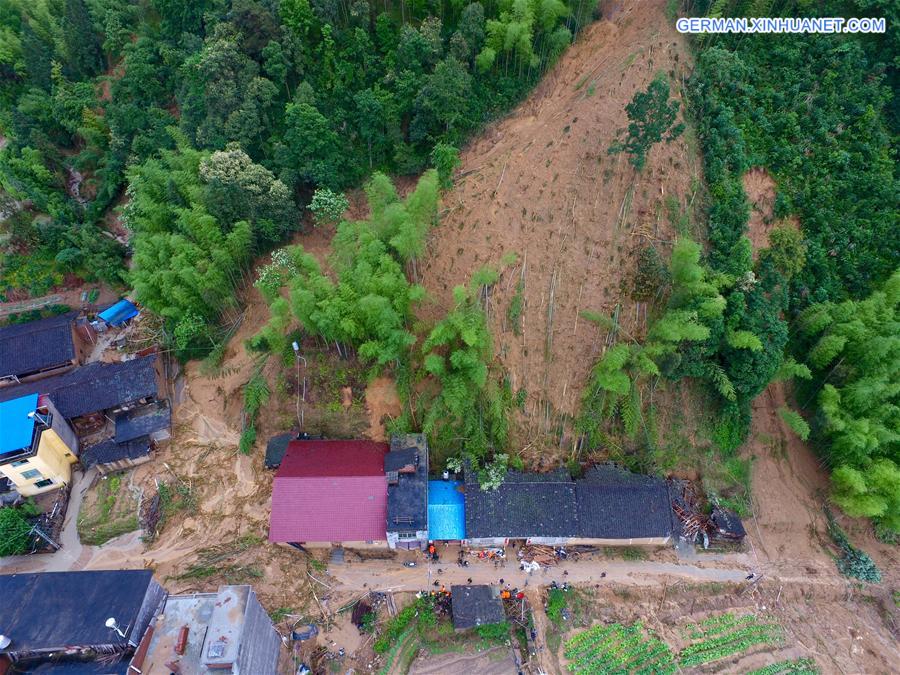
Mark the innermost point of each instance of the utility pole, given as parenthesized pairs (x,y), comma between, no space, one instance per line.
(40,533)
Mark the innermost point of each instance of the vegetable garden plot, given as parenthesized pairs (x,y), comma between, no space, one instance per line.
(727,636)
(634,649)
(616,648)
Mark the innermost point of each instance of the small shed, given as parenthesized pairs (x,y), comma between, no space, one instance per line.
(122,311)
(275,449)
(109,456)
(727,525)
(153,419)
(476,605)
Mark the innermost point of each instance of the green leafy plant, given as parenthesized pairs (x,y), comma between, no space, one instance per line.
(556,603)
(14,531)
(852,561)
(651,116)
(328,206)
(799,666)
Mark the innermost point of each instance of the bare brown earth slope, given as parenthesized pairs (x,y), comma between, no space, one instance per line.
(540,184)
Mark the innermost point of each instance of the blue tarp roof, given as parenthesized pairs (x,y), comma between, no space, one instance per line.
(15,424)
(119,313)
(446,510)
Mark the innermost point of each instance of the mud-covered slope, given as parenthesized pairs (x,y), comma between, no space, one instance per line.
(541,184)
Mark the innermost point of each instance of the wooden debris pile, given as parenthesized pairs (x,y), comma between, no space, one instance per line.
(693,523)
(543,555)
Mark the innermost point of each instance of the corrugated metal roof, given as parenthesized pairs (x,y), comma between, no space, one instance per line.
(446,510)
(143,421)
(330,491)
(333,508)
(317,459)
(408,497)
(16,428)
(59,610)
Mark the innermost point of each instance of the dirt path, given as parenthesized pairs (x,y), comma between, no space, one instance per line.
(382,401)
(394,576)
(495,661)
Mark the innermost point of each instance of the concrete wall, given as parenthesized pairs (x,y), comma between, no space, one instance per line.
(345,544)
(647,541)
(420,541)
(54,460)
(121,464)
(486,542)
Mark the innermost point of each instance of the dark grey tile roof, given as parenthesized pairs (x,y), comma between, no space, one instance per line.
(56,610)
(526,505)
(109,451)
(143,421)
(608,503)
(94,387)
(74,667)
(275,449)
(407,501)
(475,606)
(27,348)
(623,511)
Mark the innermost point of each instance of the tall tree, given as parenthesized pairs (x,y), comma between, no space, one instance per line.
(85,57)
(853,350)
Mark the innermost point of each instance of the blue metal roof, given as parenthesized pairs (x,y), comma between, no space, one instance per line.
(119,313)
(446,510)
(15,425)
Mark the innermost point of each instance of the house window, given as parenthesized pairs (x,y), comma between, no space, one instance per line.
(406,535)
(47,482)
(31,473)
(19,462)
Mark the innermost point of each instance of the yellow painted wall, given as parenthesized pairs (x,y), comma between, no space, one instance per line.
(54,460)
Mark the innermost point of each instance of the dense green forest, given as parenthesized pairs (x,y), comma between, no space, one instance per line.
(317,93)
(820,113)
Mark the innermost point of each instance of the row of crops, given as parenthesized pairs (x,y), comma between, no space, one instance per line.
(726,636)
(795,667)
(617,648)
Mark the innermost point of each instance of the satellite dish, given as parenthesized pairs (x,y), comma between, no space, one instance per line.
(111,622)
(4,642)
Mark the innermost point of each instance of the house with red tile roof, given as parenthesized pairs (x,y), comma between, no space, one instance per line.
(329,492)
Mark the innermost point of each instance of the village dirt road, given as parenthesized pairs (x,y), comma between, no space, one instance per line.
(391,575)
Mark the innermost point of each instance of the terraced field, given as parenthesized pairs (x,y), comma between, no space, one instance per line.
(714,642)
(619,649)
